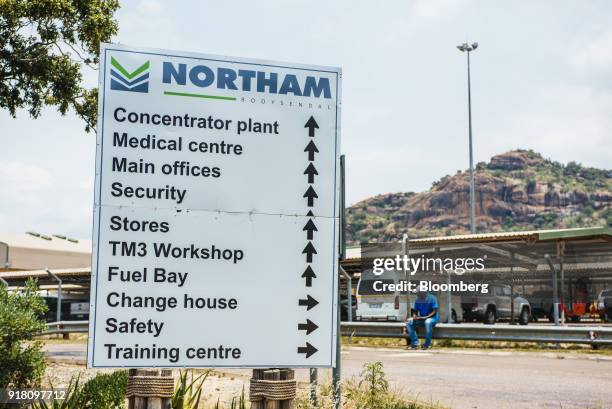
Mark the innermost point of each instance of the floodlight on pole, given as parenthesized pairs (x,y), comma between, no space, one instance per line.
(465,47)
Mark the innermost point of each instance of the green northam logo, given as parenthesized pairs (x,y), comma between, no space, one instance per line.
(135,81)
(221,78)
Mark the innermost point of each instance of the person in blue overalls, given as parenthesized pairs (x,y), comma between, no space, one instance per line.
(424,314)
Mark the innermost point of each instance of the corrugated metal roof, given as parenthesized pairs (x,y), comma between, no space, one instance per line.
(25,240)
(28,252)
(354,254)
(533,235)
(66,272)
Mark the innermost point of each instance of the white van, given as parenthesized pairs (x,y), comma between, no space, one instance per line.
(393,305)
(380,305)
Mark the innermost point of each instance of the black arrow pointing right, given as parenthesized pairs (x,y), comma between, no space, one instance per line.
(309,302)
(309,327)
(309,274)
(310,228)
(309,350)
(311,148)
(311,171)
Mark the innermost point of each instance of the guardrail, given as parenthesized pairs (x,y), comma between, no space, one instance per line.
(66,327)
(592,335)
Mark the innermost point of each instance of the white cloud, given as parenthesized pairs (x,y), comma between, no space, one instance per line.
(151,7)
(596,54)
(564,122)
(428,10)
(18,177)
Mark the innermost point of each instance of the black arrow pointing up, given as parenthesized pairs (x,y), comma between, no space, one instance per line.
(311,195)
(309,274)
(311,148)
(310,228)
(309,250)
(309,213)
(311,125)
(309,327)
(309,302)
(311,171)
(309,350)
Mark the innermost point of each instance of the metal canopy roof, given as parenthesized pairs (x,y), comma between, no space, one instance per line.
(586,252)
(68,276)
(529,236)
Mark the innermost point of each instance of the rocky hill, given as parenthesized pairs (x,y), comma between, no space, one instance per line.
(517,190)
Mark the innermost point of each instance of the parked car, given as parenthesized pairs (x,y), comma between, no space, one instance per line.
(393,305)
(542,306)
(71,309)
(456,310)
(541,303)
(373,304)
(604,305)
(495,305)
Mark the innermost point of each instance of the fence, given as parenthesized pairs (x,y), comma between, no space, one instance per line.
(592,335)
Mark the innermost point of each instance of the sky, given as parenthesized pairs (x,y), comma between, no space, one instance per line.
(541,80)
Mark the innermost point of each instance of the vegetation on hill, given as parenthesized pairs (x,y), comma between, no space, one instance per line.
(517,190)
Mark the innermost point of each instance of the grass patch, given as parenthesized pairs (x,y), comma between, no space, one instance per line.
(370,391)
(398,343)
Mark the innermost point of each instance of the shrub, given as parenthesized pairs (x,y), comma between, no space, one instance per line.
(546,220)
(370,392)
(22,363)
(572,168)
(373,377)
(105,391)
(607,216)
(72,398)
(531,185)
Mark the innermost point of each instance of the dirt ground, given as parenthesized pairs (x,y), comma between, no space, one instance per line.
(217,386)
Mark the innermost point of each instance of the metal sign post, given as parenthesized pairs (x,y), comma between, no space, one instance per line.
(337,370)
(58,314)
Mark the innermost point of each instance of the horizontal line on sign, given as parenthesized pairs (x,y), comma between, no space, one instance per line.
(188,94)
(183,210)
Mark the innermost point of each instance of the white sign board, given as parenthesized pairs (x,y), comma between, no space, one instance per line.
(216,212)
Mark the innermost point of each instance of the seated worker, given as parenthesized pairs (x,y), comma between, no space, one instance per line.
(424,314)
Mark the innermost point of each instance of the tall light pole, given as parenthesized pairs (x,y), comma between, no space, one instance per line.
(467,48)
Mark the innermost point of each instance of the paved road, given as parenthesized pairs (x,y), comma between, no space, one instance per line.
(469,379)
